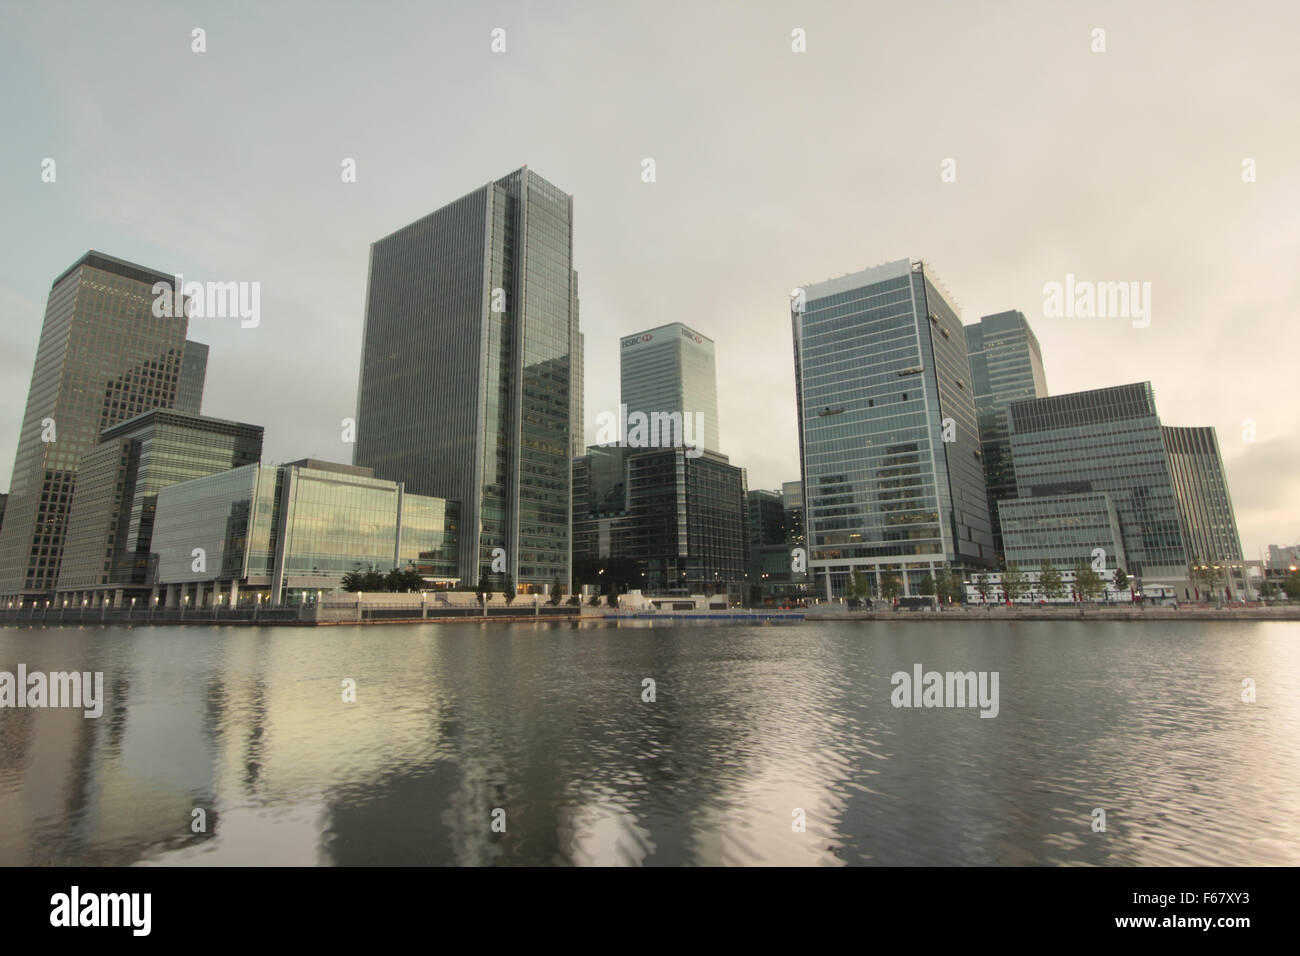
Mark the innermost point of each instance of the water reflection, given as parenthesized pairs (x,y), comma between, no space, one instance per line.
(546,722)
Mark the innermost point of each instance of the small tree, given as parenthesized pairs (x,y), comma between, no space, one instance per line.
(1267,589)
(508,590)
(1291,585)
(982,585)
(1087,581)
(484,587)
(946,584)
(351,581)
(890,585)
(1049,581)
(1014,581)
(858,589)
(1121,580)
(557,592)
(927,587)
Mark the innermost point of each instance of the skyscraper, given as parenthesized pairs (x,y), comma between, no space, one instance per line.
(1069,448)
(466,371)
(103,357)
(107,548)
(1006,365)
(671,370)
(1204,505)
(888,440)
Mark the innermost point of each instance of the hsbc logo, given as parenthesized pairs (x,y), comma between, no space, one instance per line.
(637,340)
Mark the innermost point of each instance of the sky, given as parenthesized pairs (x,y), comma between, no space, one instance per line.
(1007,144)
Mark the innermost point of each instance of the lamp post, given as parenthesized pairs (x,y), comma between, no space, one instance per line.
(185,603)
(131,612)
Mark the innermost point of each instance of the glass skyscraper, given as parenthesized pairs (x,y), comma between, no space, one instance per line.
(1208,523)
(893,481)
(671,370)
(1107,440)
(110,526)
(1006,365)
(467,370)
(103,357)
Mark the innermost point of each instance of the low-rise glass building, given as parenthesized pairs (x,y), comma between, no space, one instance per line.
(280,534)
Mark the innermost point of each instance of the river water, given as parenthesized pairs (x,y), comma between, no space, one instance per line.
(489,744)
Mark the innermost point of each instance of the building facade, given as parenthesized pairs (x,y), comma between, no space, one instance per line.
(103,358)
(110,525)
(1204,506)
(892,474)
(687,521)
(467,368)
(1063,530)
(1006,365)
(277,534)
(1108,441)
(671,370)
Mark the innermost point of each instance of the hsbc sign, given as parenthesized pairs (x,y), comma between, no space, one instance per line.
(637,340)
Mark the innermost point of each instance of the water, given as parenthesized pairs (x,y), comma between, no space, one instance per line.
(547,723)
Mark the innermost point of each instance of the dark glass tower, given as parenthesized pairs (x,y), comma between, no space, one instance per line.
(103,357)
(888,441)
(1006,365)
(466,370)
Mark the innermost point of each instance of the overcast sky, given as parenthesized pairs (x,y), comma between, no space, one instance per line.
(773,169)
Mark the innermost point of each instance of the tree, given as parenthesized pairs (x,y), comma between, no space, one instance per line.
(1291,585)
(927,587)
(508,590)
(1049,581)
(1087,581)
(1207,576)
(557,592)
(484,587)
(351,581)
(890,585)
(1121,580)
(946,584)
(1267,590)
(859,588)
(982,585)
(595,600)
(1014,581)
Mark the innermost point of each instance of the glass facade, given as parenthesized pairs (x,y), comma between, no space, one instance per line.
(110,526)
(687,521)
(671,370)
(882,383)
(1105,440)
(194,373)
(1006,365)
(103,357)
(467,370)
(1208,523)
(300,527)
(1062,530)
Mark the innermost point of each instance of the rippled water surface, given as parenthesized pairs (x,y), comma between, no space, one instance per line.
(749,725)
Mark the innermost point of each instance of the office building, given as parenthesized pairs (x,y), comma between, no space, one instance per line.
(687,521)
(467,371)
(792,503)
(1063,530)
(194,373)
(601,526)
(277,534)
(106,554)
(1006,365)
(1104,441)
(670,371)
(103,358)
(893,481)
(1204,506)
